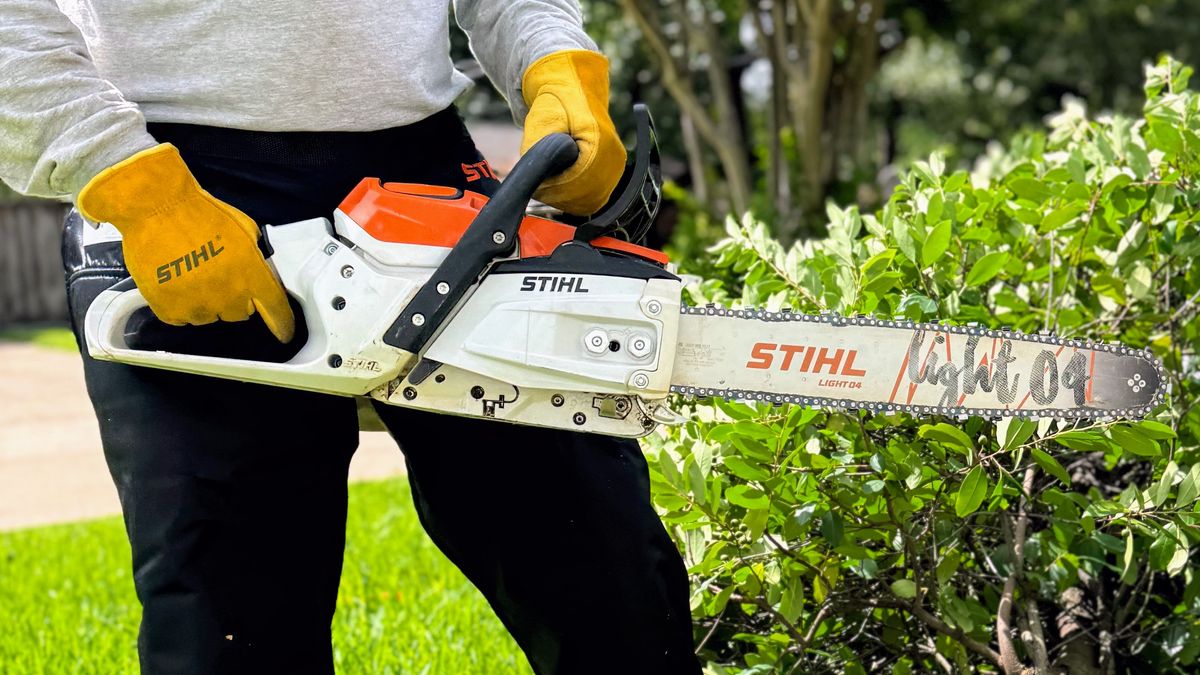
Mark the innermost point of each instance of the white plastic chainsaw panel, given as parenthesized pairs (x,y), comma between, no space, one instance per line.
(391,254)
(516,328)
(457,392)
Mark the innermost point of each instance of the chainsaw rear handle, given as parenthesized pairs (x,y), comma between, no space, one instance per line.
(106,338)
(492,235)
(341,354)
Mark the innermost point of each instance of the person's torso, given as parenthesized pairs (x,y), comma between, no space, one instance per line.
(275,65)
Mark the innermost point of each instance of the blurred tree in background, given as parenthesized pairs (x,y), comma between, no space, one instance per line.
(781,87)
(971,71)
(776,105)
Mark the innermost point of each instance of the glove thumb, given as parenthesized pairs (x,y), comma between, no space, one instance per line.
(276,313)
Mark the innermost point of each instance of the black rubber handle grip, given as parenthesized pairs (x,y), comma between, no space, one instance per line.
(493,234)
(547,158)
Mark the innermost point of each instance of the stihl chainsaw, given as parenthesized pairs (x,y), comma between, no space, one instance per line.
(447,301)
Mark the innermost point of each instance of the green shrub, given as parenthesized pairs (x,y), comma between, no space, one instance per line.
(824,541)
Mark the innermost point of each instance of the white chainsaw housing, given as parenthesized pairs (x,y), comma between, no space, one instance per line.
(596,361)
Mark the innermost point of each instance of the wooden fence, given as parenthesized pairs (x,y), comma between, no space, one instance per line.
(31,273)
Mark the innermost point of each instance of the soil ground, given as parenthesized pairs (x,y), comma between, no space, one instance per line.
(52,469)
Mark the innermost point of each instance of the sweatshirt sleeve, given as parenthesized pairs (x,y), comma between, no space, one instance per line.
(508,35)
(61,123)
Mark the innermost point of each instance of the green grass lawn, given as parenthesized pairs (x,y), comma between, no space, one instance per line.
(67,602)
(53,337)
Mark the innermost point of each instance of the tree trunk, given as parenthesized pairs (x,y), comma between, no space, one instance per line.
(721,131)
(1079,652)
(819,93)
(695,161)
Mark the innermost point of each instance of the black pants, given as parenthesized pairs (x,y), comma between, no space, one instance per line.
(234,495)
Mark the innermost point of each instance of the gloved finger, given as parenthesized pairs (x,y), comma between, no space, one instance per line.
(270,300)
(172,315)
(581,194)
(547,115)
(236,315)
(245,222)
(585,189)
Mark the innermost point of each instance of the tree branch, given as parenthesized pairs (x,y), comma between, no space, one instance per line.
(765,606)
(1034,636)
(942,627)
(687,99)
(1010,662)
(723,134)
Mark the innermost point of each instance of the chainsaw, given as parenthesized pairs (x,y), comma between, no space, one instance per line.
(448,301)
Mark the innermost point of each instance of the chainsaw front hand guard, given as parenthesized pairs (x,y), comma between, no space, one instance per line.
(630,212)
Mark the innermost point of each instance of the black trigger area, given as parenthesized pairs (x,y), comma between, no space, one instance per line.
(246,340)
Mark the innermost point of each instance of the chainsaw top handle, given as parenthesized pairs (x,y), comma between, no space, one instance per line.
(492,235)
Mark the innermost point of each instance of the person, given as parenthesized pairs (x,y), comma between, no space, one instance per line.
(187,125)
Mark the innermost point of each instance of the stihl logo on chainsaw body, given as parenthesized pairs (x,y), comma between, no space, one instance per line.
(808,359)
(554,284)
(188,262)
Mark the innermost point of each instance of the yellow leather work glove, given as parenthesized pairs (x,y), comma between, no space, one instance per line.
(194,258)
(567,92)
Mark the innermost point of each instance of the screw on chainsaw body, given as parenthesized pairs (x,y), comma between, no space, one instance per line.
(477,392)
(557,400)
(335,361)
(347,271)
(596,341)
(339,303)
(443,288)
(579,418)
(498,237)
(418,320)
(639,346)
(409,393)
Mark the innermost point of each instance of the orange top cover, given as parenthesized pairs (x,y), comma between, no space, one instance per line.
(431,215)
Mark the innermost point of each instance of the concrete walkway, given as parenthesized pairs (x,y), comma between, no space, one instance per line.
(52,469)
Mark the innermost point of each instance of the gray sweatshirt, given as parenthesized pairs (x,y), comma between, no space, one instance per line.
(80,78)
